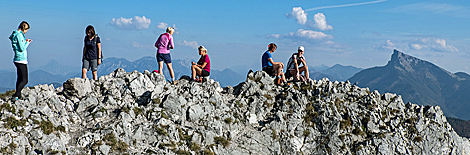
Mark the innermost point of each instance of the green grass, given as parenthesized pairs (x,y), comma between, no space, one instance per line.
(228,120)
(222,141)
(116,145)
(47,127)
(7,94)
(12,123)
(137,111)
(7,107)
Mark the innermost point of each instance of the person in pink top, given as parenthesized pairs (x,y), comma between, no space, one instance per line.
(203,66)
(164,44)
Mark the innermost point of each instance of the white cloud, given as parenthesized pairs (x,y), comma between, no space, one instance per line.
(162,25)
(434,44)
(135,23)
(304,35)
(192,44)
(298,14)
(319,22)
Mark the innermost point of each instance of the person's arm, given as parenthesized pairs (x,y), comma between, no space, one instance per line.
(23,43)
(99,53)
(172,44)
(83,56)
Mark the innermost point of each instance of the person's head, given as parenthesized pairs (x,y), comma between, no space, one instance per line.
(301,50)
(272,47)
(90,31)
(170,30)
(24,26)
(202,50)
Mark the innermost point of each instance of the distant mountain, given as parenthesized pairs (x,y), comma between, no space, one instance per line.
(335,73)
(460,126)
(420,82)
(54,67)
(8,79)
(227,77)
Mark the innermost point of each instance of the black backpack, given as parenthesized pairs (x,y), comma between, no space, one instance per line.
(96,35)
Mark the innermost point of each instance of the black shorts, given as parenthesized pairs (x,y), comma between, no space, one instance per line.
(164,57)
(205,73)
(269,70)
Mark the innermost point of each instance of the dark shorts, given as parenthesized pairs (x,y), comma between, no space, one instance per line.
(269,70)
(93,64)
(205,73)
(164,57)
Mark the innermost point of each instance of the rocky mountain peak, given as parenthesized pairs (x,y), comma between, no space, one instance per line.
(140,113)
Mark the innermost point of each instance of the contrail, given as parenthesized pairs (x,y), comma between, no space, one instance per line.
(345,5)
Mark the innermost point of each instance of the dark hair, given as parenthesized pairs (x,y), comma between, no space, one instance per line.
(90,29)
(271,46)
(23,26)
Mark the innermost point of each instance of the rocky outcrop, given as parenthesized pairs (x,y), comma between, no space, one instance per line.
(140,113)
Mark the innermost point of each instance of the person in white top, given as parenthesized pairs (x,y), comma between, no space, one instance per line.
(296,60)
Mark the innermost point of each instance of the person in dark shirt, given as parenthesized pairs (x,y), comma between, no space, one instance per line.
(91,52)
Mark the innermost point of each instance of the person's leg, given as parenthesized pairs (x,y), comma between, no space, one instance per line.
(277,69)
(170,69)
(305,70)
(22,80)
(160,67)
(85,66)
(283,78)
(95,75)
(196,71)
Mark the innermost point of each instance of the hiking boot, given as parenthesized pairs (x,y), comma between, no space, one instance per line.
(14,99)
(174,82)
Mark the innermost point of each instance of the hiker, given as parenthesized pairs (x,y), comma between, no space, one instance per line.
(164,44)
(203,66)
(271,67)
(293,69)
(19,44)
(91,52)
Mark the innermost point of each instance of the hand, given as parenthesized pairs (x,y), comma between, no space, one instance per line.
(99,61)
(29,40)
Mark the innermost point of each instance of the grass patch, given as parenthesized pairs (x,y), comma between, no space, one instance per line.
(182,152)
(7,94)
(160,131)
(358,131)
(7,107)
(125,109)
(306,133)
(418,139)
(222,141)
(156,101)
(164,115)
(269,97)
(137,111)
(12,123)
(310,113)
(47,127)
(207,152)
(228,120)
(116,145)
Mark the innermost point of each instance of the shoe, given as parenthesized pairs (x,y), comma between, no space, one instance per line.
(14,99)
(174,82)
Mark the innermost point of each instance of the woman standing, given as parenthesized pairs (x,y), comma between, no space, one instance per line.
(91,52)
(164,44)
(19,44)
(203,66)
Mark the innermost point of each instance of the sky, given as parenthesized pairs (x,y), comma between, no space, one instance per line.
(361,33)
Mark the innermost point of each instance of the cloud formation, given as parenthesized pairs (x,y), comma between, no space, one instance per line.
(434,44)
(319,19)
(192,44)
(319,22)
(298,14)
(162,25)
(135,23)
(301,34)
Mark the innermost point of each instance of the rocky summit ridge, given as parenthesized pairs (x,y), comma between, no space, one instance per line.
(140,113)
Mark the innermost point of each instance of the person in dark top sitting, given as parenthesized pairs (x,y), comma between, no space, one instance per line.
(203,66)
(91,52)
(271,67)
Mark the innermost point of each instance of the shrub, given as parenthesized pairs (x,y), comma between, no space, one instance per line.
(228,120)
(222,141)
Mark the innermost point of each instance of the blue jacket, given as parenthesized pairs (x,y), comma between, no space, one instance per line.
(19,45)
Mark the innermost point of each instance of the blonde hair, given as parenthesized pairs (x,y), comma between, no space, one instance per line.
(202,48)
(170,30)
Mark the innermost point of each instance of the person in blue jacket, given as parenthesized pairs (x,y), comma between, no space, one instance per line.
(19,44)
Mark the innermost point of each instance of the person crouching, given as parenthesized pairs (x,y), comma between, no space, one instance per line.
(203,66)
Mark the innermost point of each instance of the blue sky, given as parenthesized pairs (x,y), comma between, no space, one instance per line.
(360,33)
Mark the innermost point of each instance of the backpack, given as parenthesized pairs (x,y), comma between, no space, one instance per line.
(101,56)
(167,36)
